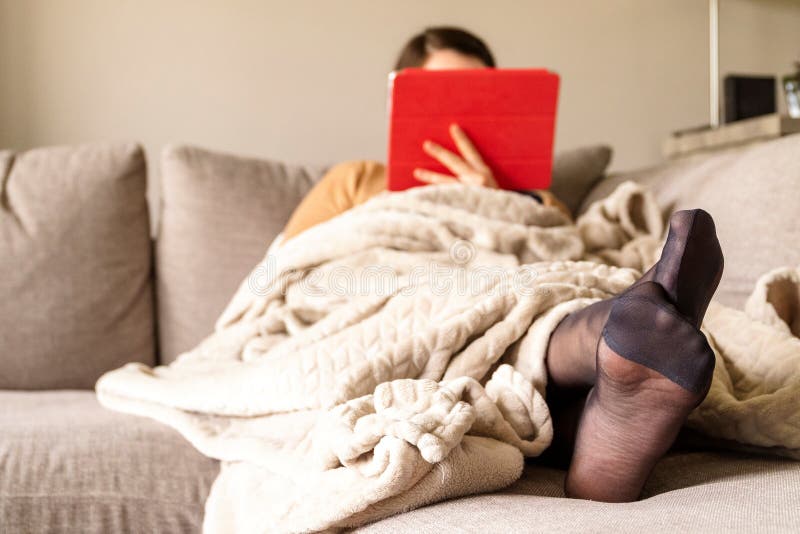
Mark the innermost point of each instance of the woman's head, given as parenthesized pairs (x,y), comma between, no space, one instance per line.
(443,48)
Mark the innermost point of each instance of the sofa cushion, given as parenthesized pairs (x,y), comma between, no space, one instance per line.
(219,214)
(688,492)
(576,171)
(753,193)
(69,465)
(75,265)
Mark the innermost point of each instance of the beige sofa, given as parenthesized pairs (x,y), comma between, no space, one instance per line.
(83,289)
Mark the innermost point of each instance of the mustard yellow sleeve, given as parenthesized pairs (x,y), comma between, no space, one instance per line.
(346,185)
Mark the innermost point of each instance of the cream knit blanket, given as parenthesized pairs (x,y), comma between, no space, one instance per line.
(395,356)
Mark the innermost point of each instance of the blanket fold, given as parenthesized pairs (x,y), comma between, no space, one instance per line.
(395,356)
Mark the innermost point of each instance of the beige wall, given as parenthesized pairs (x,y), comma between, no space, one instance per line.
(304,80)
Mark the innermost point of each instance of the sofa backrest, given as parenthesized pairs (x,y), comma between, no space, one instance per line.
(753,193)
(76,293)
(219,213)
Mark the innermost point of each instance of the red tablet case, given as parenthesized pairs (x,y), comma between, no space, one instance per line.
(509,114)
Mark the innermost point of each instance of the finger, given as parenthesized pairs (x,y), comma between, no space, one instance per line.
(473,178)
(431,177)
(452,161)
(467,149)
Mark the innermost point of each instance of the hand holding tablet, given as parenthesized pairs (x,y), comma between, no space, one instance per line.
(492,127)
(468,168)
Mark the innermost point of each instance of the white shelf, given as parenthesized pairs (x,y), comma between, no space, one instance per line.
(729,135)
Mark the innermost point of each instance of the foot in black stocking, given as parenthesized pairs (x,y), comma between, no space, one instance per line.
(653,368)
(652,365)
(689,270)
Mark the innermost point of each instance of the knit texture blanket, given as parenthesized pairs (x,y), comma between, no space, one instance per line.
(394,356)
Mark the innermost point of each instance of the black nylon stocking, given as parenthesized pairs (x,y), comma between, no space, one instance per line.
(645,360)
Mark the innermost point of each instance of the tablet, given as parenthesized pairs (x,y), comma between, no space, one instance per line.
(509,114)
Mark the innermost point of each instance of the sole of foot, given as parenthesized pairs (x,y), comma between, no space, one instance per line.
(653,368)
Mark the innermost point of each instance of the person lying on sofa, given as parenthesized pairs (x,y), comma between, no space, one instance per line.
(354,182)
(616,357)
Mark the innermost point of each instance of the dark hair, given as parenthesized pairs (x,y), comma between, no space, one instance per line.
(417,50)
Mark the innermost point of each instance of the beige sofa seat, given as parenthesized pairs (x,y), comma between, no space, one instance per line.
(69,465)
(688,492)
